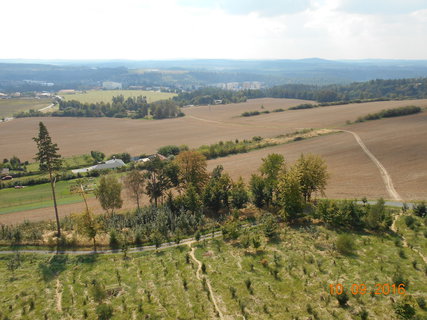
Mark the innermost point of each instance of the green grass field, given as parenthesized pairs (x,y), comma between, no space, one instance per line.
(71,162)
(40,196)
(34,197)
(288,278)
(8,107)
(106,95)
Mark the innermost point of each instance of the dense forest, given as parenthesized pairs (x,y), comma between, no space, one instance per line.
(358,91)
(206,96)
(375,90)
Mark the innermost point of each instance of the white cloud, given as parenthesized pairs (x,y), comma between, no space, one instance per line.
(166,29)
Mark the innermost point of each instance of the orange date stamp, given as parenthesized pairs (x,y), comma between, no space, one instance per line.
(361,288)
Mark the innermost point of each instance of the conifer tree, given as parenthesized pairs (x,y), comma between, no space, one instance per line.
(50,161)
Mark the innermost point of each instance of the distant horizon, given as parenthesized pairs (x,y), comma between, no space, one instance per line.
(208,59)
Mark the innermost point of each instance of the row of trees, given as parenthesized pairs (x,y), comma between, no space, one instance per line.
(132,107)
(209,95)
(277,186)
(389,113)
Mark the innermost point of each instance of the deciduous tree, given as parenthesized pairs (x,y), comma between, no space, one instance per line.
(192,169)
(313,175)
(134,183)
(109,193)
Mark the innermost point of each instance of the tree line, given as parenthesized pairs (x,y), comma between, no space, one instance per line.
(131,107)
(373,90)
(389,113)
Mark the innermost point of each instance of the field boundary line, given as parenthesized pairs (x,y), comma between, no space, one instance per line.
(233,123)
(384,174)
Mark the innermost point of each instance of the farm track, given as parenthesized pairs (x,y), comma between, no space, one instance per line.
(384,174)
(163,246)
(208,283)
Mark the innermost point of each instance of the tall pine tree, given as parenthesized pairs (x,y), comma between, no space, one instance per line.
(50,161)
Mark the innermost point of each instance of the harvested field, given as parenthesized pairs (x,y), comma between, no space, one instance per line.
(322,117)
(352,172)
(400,144)
(200,126)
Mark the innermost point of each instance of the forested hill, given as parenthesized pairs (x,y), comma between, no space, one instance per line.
(355,92)
(370,90)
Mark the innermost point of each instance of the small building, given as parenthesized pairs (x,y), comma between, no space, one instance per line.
(152,157)
(109,164)
(5,171)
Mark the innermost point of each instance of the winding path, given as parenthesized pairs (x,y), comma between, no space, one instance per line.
(384,174)
(390,189)
(208,283)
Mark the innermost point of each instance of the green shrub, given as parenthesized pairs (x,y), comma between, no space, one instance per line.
(345,244)
(342,299)
(104,311)
(404,309)
(420,209)
(169,150)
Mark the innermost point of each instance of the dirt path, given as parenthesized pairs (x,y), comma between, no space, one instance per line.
(208,283)
(46,109)
(384,174)
(405,242)
(58,295)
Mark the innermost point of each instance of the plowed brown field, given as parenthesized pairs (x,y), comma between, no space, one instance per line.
(400,144)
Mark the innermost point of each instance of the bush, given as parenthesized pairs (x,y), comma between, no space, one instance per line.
(304,106)
(114,241)
(345,244)
(398,279)
(342,299)
(170,150)
(421,302)
(104,311)
(420,209)
(404,309)
(410,222)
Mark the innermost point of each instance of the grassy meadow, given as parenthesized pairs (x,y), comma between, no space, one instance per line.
(8,107)
(35,197)
(286,278)
(93,96)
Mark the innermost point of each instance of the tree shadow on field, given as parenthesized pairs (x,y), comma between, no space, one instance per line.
(53,267)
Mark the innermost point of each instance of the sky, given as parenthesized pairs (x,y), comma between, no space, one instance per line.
(213,29)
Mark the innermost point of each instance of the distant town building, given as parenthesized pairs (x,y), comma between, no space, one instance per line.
(110,85)
(67,91)
(240,85)
(40,83)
